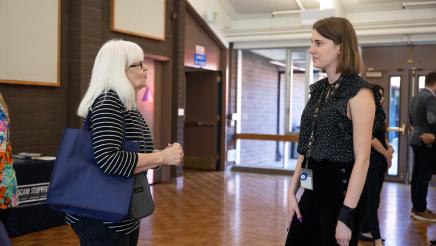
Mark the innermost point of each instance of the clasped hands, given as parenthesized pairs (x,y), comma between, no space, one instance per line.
(427,138)
(173,154)
(389,155)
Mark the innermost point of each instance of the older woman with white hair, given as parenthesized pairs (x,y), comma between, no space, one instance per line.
(110,101)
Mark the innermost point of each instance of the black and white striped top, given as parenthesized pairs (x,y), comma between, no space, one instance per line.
(106,126)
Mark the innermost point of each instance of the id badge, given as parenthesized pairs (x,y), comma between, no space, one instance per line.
(306,179)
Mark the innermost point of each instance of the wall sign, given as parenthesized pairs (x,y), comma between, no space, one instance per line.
(200,55)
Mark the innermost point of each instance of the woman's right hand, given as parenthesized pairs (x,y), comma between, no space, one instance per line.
(389,154)
(293,209)
(173,154)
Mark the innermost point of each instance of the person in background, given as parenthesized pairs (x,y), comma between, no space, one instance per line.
(334,144)
(423,120)
(8,180)
(110,101)
(379,162)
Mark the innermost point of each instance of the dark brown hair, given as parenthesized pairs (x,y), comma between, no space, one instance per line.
(430,79)
(342,33)
(377,88)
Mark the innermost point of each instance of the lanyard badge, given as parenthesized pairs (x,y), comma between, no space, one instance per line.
(306,174)
(306,178)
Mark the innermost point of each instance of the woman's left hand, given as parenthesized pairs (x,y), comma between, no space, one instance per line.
(391,150)
(389,161)
(343,234)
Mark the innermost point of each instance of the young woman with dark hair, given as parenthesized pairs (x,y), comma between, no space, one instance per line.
(334,144)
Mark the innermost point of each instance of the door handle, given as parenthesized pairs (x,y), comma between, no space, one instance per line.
(401,129)
(199,123)
(203,123)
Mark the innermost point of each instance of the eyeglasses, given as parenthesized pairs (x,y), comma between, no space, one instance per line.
(138,65)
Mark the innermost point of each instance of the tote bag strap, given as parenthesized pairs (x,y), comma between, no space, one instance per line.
(87,123)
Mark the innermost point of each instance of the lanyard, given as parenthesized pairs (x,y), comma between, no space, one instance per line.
(326,93)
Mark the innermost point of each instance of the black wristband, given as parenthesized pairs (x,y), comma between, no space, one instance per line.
(346,215)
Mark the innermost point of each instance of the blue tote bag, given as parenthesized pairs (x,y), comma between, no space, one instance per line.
(79,187)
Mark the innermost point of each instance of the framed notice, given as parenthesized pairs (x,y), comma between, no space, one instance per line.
(30,42)
(143,18)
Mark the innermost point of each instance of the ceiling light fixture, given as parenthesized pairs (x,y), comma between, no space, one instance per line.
(285,12)
(323,4)
(423,3)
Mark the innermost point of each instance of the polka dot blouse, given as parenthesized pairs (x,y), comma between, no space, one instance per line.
(333,135)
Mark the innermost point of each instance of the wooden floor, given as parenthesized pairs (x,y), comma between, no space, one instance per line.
(237,208)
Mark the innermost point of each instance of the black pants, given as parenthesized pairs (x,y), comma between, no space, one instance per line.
(4,237)
(374,183)
(95,233)
(424,158)
(320,207)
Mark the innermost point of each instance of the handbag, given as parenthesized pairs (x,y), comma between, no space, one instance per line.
(141,204)
(79,187)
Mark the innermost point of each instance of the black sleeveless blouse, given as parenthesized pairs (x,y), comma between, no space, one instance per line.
(333,135)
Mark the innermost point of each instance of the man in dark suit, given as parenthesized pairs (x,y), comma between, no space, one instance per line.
(423,119)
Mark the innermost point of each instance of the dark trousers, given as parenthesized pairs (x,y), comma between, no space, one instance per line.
(424,159)
(95,233)
(320,207)
(374,183)
(4,237)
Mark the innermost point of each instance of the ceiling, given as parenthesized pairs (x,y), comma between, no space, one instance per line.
(244,7)
(251,24)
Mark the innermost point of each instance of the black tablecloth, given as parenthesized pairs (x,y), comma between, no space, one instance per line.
(32,214)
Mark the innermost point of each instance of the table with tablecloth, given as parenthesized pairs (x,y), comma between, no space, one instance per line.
(32,214)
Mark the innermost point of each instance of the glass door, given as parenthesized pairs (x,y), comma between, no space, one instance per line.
(400,87)
(395,127)
(397,93)
(271,88)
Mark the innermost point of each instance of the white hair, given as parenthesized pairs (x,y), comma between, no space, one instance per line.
(109,73)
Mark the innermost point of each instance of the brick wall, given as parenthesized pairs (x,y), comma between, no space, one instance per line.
(259,107)
(231,105)
(297,98)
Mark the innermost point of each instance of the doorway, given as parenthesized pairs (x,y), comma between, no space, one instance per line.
(202,133)
(152,102)
(400,86)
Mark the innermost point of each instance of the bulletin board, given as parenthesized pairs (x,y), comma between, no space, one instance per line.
(30,42)
(143,18)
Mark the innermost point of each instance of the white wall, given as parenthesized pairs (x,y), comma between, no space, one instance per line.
(223,13)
